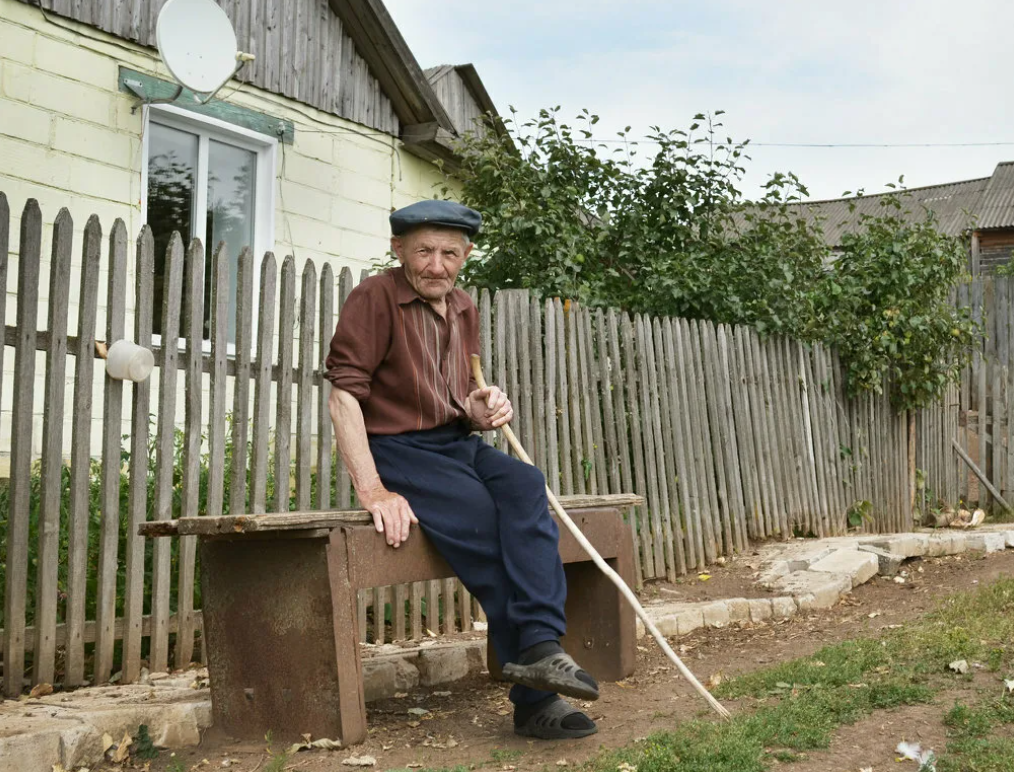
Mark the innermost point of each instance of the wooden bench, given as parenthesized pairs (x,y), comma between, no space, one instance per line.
(279,606)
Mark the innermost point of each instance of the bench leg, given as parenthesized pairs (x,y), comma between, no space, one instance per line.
(601,632)
(344,602)
(281,639)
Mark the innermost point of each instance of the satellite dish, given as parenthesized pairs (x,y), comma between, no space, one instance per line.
(197,44)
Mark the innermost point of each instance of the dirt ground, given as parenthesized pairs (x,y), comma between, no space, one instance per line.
(468,722)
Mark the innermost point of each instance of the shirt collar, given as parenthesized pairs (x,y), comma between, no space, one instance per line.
(405,293)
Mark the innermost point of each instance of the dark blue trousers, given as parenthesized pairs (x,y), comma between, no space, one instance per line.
(488,515)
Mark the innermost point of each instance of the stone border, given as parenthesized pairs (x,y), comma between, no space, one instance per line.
(809,576)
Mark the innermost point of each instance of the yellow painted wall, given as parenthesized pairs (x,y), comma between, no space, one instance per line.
(70,138)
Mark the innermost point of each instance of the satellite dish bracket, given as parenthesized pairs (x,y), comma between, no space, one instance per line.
(137,88)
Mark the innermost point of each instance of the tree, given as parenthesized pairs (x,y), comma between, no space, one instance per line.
(567,215)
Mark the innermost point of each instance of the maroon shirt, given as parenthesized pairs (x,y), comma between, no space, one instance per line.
(408,367)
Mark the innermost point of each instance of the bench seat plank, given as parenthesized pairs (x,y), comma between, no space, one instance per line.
(294,521)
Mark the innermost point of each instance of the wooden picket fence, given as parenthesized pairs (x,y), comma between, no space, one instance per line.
(977,412)
(731,438)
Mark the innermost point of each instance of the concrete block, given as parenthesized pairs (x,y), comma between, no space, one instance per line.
(783,608)
(23,121)
(689,620)
(31,751)
(310,172)
(79,746)
(760,609)
(805,559)
(639,629)
(826,588)
(19,43)
(442,665)
(888,563)
(378,679)
(1010,538)
(76,62)
(667,624)
(940,544)
(986,541)
(315,145)
(716,614)
(908,545)
(739,609)
(859,566)
(94,142)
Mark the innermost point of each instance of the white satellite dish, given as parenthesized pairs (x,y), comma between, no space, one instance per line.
(197,44)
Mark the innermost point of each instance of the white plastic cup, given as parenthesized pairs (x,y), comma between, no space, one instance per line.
(126,361)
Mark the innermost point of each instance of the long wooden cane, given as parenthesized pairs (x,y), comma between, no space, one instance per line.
(603,566)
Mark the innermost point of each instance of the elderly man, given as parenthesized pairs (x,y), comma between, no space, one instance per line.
(404,405)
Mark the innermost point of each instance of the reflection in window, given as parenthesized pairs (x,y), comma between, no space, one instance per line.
(231,193)
(172,170)
(204,188)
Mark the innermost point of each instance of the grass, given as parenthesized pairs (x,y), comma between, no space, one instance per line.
(505,755)
(796,707)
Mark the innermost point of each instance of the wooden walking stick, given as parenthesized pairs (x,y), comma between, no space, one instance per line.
(603,566)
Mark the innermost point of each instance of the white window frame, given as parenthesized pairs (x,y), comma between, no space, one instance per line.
(207,128)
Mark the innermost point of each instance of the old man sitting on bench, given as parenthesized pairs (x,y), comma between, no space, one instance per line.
(404,405)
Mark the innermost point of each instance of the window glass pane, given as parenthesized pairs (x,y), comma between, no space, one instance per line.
(172,169)
(232,176)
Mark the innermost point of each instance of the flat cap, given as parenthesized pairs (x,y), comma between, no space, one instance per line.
(449,214)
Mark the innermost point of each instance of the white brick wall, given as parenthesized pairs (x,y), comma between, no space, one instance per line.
(70,138)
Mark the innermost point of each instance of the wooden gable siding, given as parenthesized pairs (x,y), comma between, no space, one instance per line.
(457,99)
(302,49)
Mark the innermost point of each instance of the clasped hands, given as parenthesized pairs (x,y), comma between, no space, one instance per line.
(487,409)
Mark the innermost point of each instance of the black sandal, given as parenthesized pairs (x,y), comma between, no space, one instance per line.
(547,723)
(555,673)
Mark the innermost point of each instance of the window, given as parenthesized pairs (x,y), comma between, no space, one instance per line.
(207,180)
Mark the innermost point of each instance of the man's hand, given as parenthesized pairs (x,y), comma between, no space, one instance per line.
(489,408)
(391,514)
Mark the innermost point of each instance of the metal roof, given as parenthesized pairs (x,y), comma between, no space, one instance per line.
(980,204)
(996,209)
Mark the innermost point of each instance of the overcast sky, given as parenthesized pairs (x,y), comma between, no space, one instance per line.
(785,71)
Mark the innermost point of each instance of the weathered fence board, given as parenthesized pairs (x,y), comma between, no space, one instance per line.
(728,436)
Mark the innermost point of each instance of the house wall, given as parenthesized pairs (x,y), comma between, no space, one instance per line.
(69,138)
(302,50)
(995,247)
(453,93)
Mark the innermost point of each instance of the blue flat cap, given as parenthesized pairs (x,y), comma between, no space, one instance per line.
(449,214)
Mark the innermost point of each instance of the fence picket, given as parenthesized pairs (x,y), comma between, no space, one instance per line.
(652,455)
(304,385)
(84,369)
(217,408)
(677,429)
(16,585)
(522,395)
(44,656)
(262,385)
(672,531)
(341,471)
(325,438)
(591,402)
(164,456)
(193,323)
(550,391)
(640,477)
(241,393)
(618,392)
(283,399)
(533,396)
(581,463)
(486,345)
(563,399)
(137,493)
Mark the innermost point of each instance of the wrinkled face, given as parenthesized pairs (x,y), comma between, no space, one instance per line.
(432,257)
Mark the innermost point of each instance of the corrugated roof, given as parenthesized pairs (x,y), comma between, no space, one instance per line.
(954,205)
(996,209)
(981,204)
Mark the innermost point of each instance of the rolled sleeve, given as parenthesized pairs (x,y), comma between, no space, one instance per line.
(360,341)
